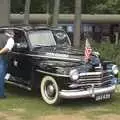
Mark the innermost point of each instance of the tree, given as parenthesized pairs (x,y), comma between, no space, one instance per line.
(89,5)
(55,12)
(4,12)
(38,6)
(106,7)
(77,22)
(17,6)
(27,11)
(67,6)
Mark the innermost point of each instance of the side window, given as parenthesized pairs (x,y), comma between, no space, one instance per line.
(19,36)
(20,41)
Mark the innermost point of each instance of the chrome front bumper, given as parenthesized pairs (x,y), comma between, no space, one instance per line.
(88,93)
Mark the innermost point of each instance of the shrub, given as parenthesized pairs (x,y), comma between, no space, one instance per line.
(108,51)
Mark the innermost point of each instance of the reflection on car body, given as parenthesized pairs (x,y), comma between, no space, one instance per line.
(44,60)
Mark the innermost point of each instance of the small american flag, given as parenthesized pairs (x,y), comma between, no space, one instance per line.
(88,51)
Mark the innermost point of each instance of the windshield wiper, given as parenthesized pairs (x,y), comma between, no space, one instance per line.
(43,46)
(37,46)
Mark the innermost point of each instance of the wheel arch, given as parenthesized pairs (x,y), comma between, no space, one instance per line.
(37,77)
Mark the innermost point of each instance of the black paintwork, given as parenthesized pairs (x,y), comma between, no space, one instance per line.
(29,64)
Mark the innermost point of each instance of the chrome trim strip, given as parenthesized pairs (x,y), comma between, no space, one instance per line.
(90,73)
(108,76)
(88,93)
(93,79)
(87,84)
(19,85)
(75,85)
(88,79)
(98,67)
(106,81)
(93,73)
(53,74)
(50,57)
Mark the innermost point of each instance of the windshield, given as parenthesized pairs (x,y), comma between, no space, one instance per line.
(42,38)
(49,38)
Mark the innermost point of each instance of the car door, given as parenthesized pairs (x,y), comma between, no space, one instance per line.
(19,62)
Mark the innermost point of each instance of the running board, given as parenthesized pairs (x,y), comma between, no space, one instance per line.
(19,85)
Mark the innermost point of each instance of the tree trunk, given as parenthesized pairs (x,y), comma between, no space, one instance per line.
(77,23)
(47,11)
(4,12)
(27,11)
(55,13)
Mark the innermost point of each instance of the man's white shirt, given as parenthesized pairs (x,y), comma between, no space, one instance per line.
(9,44)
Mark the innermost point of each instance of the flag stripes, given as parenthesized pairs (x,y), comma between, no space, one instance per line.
(88,51)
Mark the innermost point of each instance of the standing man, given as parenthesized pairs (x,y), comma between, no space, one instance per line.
(6,45)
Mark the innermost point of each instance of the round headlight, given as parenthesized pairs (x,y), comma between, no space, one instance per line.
(115,69)
(74,75)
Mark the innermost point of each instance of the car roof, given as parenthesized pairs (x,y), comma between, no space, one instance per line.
(30,27)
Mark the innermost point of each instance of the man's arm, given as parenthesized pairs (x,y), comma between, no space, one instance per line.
(8,47)
(4,50)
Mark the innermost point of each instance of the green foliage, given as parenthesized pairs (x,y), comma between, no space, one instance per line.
(106,7)
(66,6)
(88,6)
(17,6)
(108,51)
(38,6)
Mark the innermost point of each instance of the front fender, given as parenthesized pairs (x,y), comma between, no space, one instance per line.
(62,80)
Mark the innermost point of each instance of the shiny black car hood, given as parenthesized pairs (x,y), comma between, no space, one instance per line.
(60,53)
(60,59)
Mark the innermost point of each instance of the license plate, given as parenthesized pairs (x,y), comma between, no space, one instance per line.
(103,97)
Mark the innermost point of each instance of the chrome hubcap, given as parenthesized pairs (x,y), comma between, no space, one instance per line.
(50,91)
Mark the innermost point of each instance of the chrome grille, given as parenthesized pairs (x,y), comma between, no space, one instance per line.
(99,79)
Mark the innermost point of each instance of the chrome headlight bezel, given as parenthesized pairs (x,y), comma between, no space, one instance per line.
(74,74)
(115,69)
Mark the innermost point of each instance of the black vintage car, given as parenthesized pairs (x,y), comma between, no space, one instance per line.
(43,59)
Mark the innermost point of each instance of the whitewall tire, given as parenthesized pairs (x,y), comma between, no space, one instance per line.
(49,90)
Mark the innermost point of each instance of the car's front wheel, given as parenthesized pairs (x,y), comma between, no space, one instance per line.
(49,90)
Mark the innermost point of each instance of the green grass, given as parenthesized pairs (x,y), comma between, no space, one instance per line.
(27,106)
